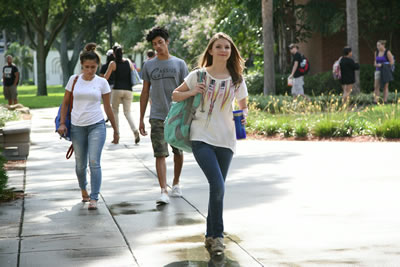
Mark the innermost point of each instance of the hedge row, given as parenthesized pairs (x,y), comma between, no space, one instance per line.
(325,128)
(321,103)
(320,83)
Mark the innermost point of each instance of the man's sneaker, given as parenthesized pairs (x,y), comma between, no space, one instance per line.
(217,246)
(208,242)
(164,199)
(176,191)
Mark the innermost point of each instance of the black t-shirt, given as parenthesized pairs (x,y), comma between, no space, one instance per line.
(297,57)
(123,76)
(9,74)
(347,70)
(103,71)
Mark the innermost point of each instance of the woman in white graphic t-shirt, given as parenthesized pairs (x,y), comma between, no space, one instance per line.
(212,131)
(88,131)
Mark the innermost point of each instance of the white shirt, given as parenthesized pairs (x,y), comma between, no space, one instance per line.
(213,123)
(86,109)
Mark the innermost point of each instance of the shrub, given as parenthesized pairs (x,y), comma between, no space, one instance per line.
(320,83)
(286,129)
(3,176)
(7,115)
(301,130)
(271,128)
(325,128)
(345,129)
(389,129)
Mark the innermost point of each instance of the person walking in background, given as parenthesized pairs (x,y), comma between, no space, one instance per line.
(296,75)
(122,90)
(88,130)
(383,73)
(347,70)
(212,131)
(10,81)
(162,74)
(104,67)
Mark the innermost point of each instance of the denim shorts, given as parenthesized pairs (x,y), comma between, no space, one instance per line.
(160,146)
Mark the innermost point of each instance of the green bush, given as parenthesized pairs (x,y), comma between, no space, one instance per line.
(7,115)
(389,129)
(255,83)
(320,83)
(301,130)
(325,128)
(3,176)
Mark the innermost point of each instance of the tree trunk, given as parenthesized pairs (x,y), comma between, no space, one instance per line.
(268,37)
(41,55)
(109,25)
(64,59)
(5,40)
(352,36)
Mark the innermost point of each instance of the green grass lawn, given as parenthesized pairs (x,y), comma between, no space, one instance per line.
(55,93)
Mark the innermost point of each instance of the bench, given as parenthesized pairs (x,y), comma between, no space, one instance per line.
(15,140)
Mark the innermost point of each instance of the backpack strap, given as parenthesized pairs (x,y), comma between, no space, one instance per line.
(385,54)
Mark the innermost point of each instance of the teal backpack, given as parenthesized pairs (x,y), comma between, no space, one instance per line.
(179,118)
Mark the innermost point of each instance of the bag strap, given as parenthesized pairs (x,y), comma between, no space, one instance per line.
(71,148)
(72,93)
(69,152)
(71,99)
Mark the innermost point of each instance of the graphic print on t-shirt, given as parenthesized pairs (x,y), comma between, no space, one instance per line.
(165,73)
(7,72)
(218,90)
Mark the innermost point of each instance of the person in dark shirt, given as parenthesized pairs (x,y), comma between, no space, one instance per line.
(296,75)
(103,69)
(122,90)
(10,81)
(347,70)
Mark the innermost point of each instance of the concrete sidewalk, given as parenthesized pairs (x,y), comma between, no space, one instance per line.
(286,204)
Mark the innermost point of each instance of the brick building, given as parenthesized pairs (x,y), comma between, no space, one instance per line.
(323,51)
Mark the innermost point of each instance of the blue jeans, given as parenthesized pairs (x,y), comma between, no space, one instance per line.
(88,141)
(214,161)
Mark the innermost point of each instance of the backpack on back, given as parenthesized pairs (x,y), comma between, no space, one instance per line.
(336,72)
(304,66)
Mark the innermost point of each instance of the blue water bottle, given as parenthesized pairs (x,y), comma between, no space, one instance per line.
(240,130)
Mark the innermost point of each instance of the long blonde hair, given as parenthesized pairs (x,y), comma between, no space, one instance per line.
(235,64)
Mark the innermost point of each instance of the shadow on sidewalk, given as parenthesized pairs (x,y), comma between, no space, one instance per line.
(215,261)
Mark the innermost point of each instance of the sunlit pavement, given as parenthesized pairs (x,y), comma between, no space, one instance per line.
(286,204)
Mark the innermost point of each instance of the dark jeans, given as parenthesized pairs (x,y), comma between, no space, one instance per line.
(214,161)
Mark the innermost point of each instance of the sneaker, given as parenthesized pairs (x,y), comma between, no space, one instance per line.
(208,242)
(176,191)
(164,199)
(137,137)
(217,246)
(92,205)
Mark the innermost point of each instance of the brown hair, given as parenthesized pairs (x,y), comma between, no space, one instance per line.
(382,42)
(90,53)
(235,62)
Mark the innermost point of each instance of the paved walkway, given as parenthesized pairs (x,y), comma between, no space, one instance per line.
(286,204)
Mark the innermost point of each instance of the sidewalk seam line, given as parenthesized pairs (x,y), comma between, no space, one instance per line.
(194,207)
(120,230)
(21,222)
